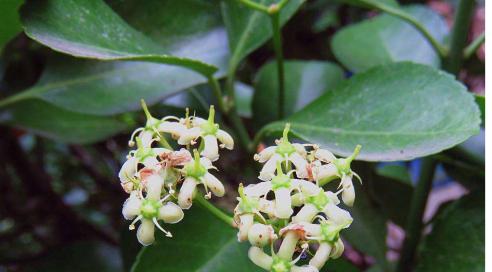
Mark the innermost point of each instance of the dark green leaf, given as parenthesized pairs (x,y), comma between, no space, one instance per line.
(248,29)
(339,265)
(92,29)
(370,3)
(481,105)
(304,82)
(56,123)
(385,39)
(81,257)
(368,230)
(396,112)
(9,21)
(393,190)
(200,243)
(92,87)
(457,240)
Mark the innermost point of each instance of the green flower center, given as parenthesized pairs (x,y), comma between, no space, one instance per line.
(319,201)
(247,204)
(195,169)
(281,180)
(280,265)
(210,127)
(285,148)
(150,208)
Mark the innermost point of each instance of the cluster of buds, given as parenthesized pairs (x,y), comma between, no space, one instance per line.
(162,181)
(289,212)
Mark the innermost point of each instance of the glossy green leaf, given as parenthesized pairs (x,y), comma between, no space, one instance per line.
(56,123)
(92,29)
(248,29)
(9,21)
(85,256)
(200,242)
(385,39)
(304,82)
(106,88)
(457,240)
(396,112)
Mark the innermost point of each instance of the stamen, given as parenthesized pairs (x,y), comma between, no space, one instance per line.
(168,234)
(304,247)
(131,143)
(132,225)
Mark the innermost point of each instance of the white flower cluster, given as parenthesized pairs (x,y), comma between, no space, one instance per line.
(292,181)
(162,181)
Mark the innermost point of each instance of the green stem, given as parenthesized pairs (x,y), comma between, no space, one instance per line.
(277,44)
(459,36)
(440,49)
(473,46)
(413,227)
(230,112)
(254,5)
(217,93)
(214,210)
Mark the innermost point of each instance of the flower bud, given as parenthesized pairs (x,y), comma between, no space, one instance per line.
(260,235)
(171,213)
(348,193)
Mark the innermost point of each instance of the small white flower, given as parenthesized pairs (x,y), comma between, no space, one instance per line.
(261,235)
(209,131)
(196,172)
(284,151)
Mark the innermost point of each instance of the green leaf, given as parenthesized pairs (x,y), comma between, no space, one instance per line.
(200,242)
(457,240)
(92,29)
(480,100)
(339,265)
(399,111)
(106,88)
(368,230)
(369,3)
(9,21)
(83,256)
(56,123)
(385,39)
(393,191)
(304,82)
(248,29)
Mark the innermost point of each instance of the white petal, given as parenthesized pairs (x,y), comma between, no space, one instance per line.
(211,149)
(173,128)
(258,189)
(225,138)
(189,135)
(214,184)
(197,121)
(306,213)
(305,268)
(266,154)
(338,249)
(154,187)
(283,203)
(146,137)
(205,162)
(260,258)
(171,213)
(308,188)
(288,246)
(348,193)
(260,235)
(185,197)
(151,162)
(268,170)
(245,223)
(266,206)
(301,165)
(128,170)
(340,216)
(327,171)
(300,149)
(324,155)
(322,255)
(145,232)
(131,207)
